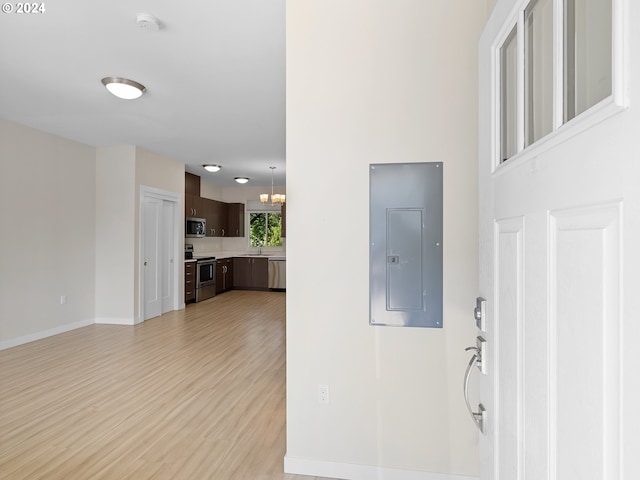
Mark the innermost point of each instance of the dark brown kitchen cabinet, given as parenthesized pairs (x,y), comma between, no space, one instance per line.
(251,273)
(194,206)
(216,214)
(236,220)
(223,219)
(224,275)
(189,282)
(191,184)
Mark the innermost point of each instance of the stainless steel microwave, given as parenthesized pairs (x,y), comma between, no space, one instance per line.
(195,227)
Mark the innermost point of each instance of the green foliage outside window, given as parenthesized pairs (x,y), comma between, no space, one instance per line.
(265,229)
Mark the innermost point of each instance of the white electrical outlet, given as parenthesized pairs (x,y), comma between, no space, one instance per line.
(63,299)
(323,393)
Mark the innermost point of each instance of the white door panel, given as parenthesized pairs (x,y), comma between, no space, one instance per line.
(508,366)
(167,277)
(585,341)
(152,254)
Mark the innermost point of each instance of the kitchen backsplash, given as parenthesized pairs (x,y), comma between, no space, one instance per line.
(217,244)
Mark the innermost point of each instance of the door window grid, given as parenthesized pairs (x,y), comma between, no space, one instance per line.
(546,69)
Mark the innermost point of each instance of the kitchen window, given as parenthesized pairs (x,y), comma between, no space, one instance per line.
(265,229)
(558,63)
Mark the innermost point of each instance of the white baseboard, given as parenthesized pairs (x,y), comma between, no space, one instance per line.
(115,321)
(346,471)
(32,337)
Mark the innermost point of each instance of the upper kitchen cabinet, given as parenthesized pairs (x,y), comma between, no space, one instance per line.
(192,203)
(236,220)
(191,184)
(216,214)
(194,206)
(223,219)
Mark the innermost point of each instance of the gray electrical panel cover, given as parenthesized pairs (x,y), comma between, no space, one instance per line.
(405,239)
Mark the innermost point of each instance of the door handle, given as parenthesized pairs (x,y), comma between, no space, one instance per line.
(480,417)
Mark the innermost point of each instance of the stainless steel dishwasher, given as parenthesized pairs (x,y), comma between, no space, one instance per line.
(277,274)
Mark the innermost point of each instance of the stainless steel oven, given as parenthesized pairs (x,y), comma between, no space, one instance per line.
(205,278)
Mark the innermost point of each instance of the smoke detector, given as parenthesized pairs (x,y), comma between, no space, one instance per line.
(148,22)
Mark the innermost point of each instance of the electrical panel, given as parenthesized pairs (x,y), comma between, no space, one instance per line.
(405,249)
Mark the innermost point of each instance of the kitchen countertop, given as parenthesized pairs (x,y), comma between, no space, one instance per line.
(222,255)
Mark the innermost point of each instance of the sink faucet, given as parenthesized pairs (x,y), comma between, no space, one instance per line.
(259,250)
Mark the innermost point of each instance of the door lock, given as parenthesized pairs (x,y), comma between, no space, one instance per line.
(479,313)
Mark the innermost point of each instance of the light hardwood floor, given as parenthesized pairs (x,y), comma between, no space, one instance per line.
(195,394)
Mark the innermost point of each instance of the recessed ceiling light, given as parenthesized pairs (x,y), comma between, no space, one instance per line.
(241,179)
(123,87)
(212,168)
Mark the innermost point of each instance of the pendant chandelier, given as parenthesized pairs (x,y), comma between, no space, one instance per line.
(276,198)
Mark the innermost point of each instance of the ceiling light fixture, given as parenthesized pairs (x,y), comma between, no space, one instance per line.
(276,198)
(241,179)
(123,87)
(212,168)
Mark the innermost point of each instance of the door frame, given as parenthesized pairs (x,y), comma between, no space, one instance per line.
(176,199)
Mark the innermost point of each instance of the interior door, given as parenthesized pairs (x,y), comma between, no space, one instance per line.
(152,256)
(167,271)
(559,236)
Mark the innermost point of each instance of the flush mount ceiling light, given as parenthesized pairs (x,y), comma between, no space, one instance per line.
(212,168)
(276,198)
(123,87)
(241,179)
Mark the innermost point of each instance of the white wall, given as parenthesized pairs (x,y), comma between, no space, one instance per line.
(47,236)
(115,235)
(377,82)
(120,173)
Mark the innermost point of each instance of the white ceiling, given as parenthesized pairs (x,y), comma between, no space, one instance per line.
(214,73)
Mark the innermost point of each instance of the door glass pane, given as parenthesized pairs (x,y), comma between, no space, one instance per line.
(538,70)
(508,108)
(587,52)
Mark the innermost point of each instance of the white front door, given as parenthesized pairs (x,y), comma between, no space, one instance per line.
(560,269)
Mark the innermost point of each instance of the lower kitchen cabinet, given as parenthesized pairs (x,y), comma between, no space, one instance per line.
(251,273)
(189,282)
(224,275)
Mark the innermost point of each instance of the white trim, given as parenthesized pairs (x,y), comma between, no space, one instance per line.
(598,113)
(348,471)
(32,337)
(115,321)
